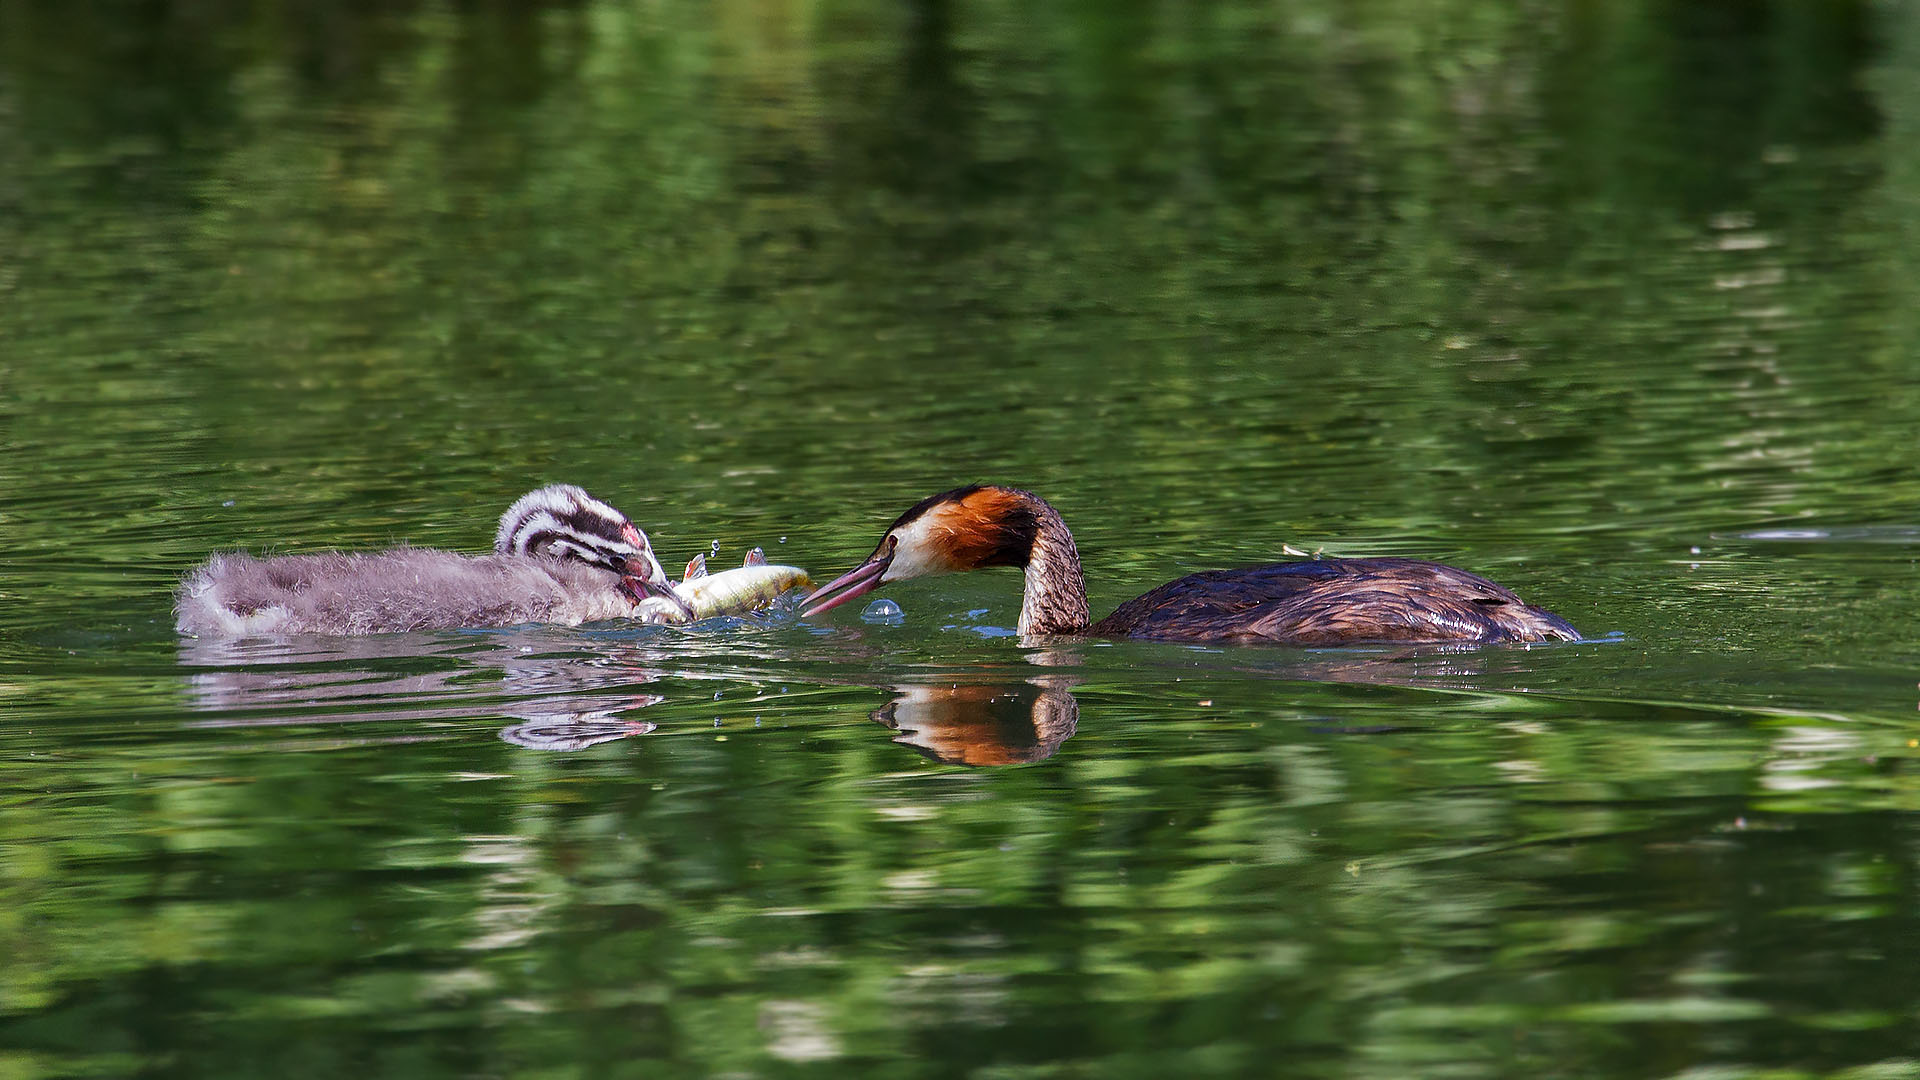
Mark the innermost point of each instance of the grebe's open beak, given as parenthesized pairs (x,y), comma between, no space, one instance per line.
(858,581)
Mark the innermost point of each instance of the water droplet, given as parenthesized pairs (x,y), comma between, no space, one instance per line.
(229,502)
(716,721)
(716,547)
(883,611)
(1696,549)
(783,539)
(716,695)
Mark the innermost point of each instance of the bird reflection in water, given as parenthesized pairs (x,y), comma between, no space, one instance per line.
(555,690)
(572,732)
(983,723)
(567,698)
(970,718)
(564,698)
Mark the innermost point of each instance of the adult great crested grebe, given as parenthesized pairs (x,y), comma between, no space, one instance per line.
(560,556)
(1312,602)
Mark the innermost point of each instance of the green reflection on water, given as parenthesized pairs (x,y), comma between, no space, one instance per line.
(1581,296)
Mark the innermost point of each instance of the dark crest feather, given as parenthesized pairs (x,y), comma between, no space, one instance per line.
(1014,533)
(932,501)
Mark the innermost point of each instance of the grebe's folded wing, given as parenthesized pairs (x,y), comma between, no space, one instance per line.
(1335,601)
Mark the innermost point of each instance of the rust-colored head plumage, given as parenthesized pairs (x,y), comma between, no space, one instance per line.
(968,528)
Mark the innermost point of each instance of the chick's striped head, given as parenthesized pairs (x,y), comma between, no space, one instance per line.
(564,522)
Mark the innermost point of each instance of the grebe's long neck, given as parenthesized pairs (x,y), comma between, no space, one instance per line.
(1056,593)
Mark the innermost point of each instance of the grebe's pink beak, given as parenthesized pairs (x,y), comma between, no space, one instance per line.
(858,581)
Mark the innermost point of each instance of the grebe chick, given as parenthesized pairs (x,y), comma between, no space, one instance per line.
(560,556)
(1313,602)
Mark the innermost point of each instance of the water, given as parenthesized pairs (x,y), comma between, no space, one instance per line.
(1612,304)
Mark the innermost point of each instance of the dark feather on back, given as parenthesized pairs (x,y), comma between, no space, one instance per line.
(1335,601)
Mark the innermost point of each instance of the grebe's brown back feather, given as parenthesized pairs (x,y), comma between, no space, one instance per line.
(1333,601)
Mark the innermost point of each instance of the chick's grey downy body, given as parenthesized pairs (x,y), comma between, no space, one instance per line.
(389,591)
(561,556)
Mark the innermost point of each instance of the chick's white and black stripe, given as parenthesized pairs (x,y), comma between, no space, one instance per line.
(564,521)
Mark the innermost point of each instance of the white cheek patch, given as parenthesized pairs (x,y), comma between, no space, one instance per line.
(920,549)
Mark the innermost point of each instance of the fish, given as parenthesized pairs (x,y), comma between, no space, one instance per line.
(739,591)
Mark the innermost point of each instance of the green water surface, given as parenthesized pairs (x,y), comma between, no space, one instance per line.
(1615,303)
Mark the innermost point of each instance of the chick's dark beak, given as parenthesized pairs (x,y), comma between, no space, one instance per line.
(856,582)
(640,588)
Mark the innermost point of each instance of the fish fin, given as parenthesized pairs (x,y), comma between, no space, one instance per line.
(696,568)
(756,557)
